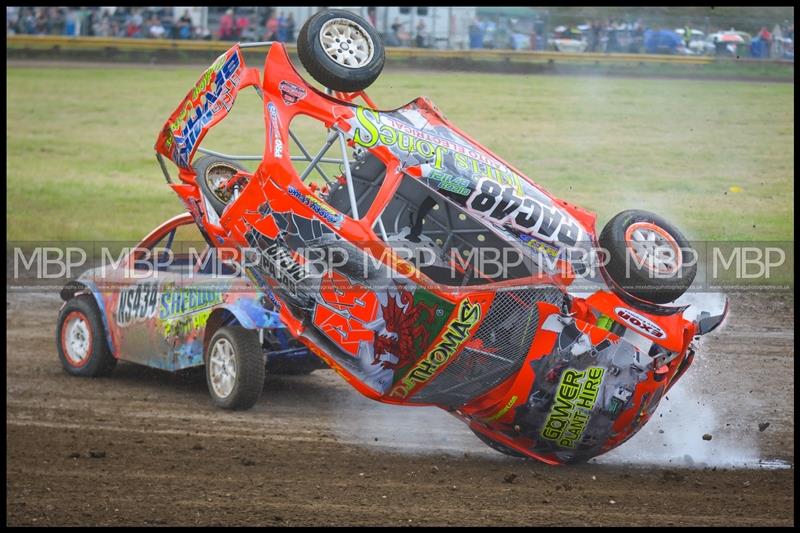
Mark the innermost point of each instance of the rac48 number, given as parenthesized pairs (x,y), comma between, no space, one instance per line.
(491,200)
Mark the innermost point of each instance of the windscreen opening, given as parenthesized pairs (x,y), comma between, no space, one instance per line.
(448,244)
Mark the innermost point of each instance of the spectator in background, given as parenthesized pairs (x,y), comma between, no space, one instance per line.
(612,45)
(242,23)
(271,33)
(90,20)
(155,30)
(41,22)
(120,16)
(687,34)
(29,21)
(766,39)
(422,34)
(475,34)
(393,39)
(226,26)
(282,28)
(185,29)
(290,27)
(12,17)
(637,42)
(489,28)
(71,23)
(133,26)
(116,28)
(372,16)
(54,25)
(104,26)
(594,36)
(168,22)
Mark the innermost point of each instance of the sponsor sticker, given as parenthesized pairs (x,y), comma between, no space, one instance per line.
(639,323)
(320,209)
(199,109)
(572,406)
(448,182)
(456,334)
(177,302)
(277,142)
(290,92)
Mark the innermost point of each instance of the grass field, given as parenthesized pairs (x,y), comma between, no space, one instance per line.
(81,165)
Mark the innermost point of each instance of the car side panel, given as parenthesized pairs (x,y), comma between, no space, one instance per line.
(160,321)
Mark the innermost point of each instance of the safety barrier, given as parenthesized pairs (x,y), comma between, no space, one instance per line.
(40,42)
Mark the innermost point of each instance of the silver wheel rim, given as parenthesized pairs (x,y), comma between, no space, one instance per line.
(346,43)
(655,251)
(216,177)
(78,340)
(222,368)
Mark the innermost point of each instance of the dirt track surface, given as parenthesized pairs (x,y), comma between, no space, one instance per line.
(146,447)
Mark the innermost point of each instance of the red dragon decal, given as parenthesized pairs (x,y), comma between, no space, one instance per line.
(405,329)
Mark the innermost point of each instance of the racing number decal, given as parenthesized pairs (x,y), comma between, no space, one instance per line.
(491,194)
(502,205)
(137,303)
(345,312)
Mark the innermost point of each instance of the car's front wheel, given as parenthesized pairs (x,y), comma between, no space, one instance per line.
(648,258)
(234,368)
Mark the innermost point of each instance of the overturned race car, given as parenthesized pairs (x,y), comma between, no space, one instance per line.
(378,270)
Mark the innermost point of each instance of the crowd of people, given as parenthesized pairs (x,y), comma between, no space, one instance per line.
(618,36)
(239,27)
(131,22)
(248,24)
(152,23)
(403,35)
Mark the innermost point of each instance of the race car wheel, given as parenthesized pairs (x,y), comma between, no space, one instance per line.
(502,448)
(341,50)
(212,173)
(234,368)
(648,258)
(81,339)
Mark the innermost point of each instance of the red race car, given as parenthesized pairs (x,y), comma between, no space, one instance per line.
(389,272)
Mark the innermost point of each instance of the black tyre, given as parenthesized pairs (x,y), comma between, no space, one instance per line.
(234,368)
(341,50)
(648,258)
(212,173)
(81,339)
(502,448)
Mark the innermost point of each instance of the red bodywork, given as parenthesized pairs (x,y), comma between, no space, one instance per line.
(427,326)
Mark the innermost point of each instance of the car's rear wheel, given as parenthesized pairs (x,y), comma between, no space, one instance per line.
(341,50)
(81,339)
(648,258)
(234,368)
(212,174)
